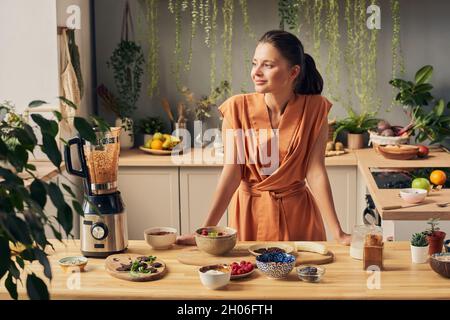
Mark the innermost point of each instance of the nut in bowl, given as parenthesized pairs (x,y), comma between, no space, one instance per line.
(73,263)
(310,273)
(215,240)
(215,276)
(275,265)
(413,195)
(160,238)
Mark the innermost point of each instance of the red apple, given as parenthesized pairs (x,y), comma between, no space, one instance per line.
(423,151)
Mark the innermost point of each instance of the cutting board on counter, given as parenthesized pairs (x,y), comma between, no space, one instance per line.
(116,260)
(195,257)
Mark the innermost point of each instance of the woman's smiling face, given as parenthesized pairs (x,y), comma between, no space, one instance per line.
(271,72)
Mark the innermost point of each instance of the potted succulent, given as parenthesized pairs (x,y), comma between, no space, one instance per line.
(419,247)
(355,125)
(149,125)
(435,237)
(415,96)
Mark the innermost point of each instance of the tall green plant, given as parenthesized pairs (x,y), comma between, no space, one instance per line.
(23,211)
(194,19)
(248,33)
(228,13)
(288,14)
(213,44)
(153,46)
(332,36)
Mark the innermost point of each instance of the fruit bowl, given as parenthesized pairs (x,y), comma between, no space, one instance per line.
(398,152)
(376,140)
(161,144)
(213,243)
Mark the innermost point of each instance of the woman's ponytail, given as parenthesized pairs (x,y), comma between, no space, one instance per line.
(309,80)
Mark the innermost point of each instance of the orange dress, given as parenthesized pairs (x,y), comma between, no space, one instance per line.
(273,205)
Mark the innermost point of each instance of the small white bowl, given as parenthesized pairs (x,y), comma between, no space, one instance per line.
(412,195)
(217,280)
(160,241)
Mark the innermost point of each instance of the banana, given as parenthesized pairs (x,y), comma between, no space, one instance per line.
(311,247)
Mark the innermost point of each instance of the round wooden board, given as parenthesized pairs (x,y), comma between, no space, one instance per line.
(114,261)
(195,257)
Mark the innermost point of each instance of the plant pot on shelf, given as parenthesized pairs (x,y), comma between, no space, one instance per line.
(436,241)
(419,254)
(355,141)
(126,134)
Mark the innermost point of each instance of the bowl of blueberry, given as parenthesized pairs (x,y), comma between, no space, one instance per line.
(276,265)
(310,273)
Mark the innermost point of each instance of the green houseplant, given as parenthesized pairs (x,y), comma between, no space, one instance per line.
(419,247)
(23,212)
(149,125)
(414,96)
(435,236)
(355,125)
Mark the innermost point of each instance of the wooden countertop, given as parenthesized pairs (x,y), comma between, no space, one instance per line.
(344,279)
(368,158)
(203,158)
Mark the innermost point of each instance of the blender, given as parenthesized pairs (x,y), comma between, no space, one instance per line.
(103,228)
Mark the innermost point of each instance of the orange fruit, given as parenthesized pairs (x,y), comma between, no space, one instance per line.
(156,144)
(438,177)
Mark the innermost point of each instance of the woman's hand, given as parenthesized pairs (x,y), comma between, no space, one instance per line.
(344,238)
(186,240)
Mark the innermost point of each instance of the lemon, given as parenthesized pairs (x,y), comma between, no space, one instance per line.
(158,136)
(148,144)
(156,144)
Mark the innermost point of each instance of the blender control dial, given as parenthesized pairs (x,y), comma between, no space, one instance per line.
(99,231)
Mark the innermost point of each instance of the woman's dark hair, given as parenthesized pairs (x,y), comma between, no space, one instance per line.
(309,81)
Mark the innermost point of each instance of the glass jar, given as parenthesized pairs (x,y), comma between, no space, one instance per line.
(358,239)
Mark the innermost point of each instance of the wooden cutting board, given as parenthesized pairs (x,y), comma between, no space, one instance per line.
(195,257)
(114,261)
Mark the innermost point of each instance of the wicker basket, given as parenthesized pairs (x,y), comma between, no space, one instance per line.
(375,139)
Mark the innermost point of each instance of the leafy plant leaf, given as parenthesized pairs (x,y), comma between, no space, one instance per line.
(439,108)
(78,208)
(47,126)
(36,288)
(85,130)
(43,260)
(36,103)
(68,102)
(38,192)
(50,148)
(5,256)
(68,190)
(424,74)
(11,287)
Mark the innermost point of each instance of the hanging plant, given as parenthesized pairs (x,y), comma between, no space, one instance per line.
(398,66)
(175,8)
(207,24)
(349,55)
(288,13)
(304,23)
(372,80)
(227,10)
(332,35)
(248,32)
(201,10)
(184,5)
(317,30)
(153,46)
(213,44)
(194,16)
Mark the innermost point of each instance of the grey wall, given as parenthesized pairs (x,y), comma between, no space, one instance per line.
(425,39)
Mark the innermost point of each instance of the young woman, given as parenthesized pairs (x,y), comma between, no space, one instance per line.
(278,204)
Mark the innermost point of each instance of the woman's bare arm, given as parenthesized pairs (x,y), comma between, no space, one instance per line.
(318,181)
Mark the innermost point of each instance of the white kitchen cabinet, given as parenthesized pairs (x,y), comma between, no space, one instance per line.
(343,181)
(151,197)
(197,188)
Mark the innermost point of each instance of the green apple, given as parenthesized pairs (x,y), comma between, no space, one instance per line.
(158,136)
(148,144)
(421,183)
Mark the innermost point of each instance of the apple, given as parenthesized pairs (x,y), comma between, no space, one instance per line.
(423,151)
(421,183)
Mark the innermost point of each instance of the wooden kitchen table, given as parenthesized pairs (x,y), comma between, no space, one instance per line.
(344,279)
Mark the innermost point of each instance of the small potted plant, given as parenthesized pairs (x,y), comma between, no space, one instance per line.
(149,125)
(435,237)
(355,125)
(419,247)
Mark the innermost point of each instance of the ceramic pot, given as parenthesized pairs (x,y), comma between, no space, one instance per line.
(436,242)
(126,134)
(419,254)
(355,141)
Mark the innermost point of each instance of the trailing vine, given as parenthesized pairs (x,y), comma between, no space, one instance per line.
(288,13)
(213,44)
(227,11)
(373,102)
(398,66)
(175,8)
(207,24)
(317,30)
(332,35)
(194,15)
(248,32)
(153,46)
(349,55)
(201,10)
